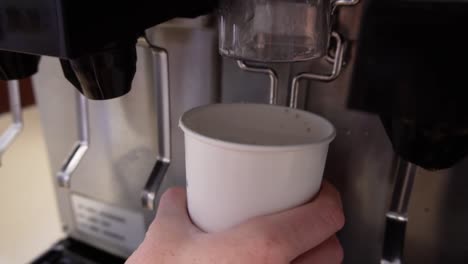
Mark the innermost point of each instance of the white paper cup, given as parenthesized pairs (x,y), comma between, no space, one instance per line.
(247,160)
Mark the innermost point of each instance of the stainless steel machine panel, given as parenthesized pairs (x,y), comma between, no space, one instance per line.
(123,132)
(360,164)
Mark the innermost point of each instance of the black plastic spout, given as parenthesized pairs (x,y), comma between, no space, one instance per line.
(15,66)
(104,75)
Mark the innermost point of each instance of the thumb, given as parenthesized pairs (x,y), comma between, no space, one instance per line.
(171,225)
(172,208)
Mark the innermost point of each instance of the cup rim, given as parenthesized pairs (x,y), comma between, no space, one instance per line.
(251,147)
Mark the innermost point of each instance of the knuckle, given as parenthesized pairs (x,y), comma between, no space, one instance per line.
(338,252)
(333,196)
(333,216)
(337,198)
(328,209)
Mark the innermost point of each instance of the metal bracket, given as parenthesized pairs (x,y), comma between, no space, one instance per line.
(81,146)
(397,216)
(163,112)
(345,2)
(271,74)
(12,132)
(337,66)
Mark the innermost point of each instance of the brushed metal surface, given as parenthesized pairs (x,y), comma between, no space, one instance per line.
(436,231)
(360,165)
(123,131)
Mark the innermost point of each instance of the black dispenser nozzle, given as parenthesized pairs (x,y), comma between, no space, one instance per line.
(106,74)
(15,66)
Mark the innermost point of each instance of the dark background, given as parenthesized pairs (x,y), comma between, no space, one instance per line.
(27,96)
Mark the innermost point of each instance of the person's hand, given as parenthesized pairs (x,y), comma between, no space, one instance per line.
(302,235)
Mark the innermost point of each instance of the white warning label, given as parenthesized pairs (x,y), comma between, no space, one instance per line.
(112,224)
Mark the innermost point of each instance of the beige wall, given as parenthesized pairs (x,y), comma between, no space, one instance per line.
(29,220)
